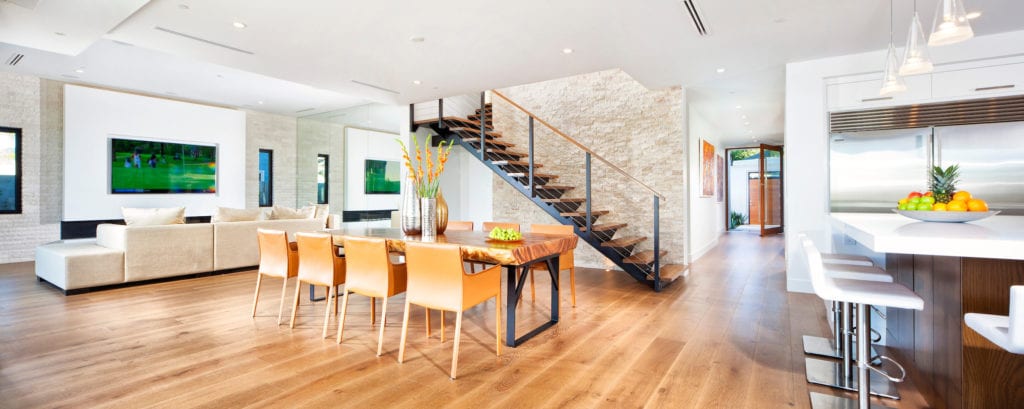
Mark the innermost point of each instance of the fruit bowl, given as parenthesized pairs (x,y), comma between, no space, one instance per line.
(945,217)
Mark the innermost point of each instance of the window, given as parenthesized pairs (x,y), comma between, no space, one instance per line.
(10,170)
(321,179)
(266,177)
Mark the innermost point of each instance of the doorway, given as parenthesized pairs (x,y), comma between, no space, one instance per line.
(754,201)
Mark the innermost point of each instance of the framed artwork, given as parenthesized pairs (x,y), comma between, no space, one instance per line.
(707,169)
(719,178)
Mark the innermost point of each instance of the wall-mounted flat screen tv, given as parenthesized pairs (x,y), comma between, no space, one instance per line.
(141,166)
(382,177)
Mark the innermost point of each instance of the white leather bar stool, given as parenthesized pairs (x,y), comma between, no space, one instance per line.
(863,294)
(848,259)
(1007,332)
(841,374)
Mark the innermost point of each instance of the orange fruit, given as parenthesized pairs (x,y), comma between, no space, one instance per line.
(962,195)
(956,206)
(939,207)
(977,205)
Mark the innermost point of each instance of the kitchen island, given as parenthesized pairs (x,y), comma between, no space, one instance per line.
(956,268)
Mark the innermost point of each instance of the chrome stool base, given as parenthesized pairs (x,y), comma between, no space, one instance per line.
(823,401)
(829,373)
(826,347)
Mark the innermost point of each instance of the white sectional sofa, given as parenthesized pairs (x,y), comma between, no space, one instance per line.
(122,254)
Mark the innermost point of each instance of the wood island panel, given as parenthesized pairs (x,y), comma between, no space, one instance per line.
(993,378)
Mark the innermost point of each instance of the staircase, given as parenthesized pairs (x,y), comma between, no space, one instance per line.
(517,167)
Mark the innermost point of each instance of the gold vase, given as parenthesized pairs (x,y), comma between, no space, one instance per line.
(442,213)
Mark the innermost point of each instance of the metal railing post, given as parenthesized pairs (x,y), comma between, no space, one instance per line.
(657,246)
(440,113)
(483,128)
(533,189)
(590,224)
(412,118)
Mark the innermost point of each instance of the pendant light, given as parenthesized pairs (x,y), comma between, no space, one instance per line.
(891,81)
(915,56)
(950,25)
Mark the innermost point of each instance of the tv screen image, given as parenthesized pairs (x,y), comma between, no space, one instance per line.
(140,166)
(382,177)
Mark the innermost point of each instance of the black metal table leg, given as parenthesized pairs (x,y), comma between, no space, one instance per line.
(312,297)
(515,291)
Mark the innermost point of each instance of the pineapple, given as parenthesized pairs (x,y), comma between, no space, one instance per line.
(943,182)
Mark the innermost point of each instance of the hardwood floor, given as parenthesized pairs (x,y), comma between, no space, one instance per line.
(727,336)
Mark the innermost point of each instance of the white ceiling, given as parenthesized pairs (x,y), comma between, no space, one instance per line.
(301,54)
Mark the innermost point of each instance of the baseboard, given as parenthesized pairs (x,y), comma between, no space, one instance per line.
(799,286)
(694,256)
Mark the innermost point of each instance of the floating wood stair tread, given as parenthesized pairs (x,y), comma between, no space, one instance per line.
(508,152)
(515,163)
(474,131)
(556,187)
(670,272)
(489,142)
(643,257)
(584,214)
(535,175)
(623,241)
(605,227)
(560,200)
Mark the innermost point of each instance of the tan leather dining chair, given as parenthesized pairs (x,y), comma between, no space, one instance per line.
(565,260)
(437,280)
(459,226)
(370,272)
(278,258)
(319,264)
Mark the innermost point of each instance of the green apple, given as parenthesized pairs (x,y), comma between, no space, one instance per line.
(928,199)
(923,207)
(914,200)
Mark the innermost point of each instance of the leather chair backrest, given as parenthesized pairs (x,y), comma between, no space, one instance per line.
(459,226)
(316,257)
(367,266)
(273,245)
(435,275)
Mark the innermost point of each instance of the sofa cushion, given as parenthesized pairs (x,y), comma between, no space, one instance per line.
(228,214)
(286,213)
(153,216)
(236,245)
(164,251)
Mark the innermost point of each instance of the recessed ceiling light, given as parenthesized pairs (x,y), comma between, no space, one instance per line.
(259,102)
(417,82)
(720,70)
(567,51)
(779,20)
(417,39)
(80,70)
(739,106)
(183,6)
(239,24)
(746,123)
(220,76)
(973,15)
(59,33)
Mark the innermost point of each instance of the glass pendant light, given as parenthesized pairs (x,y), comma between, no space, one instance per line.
(891,80)
(915,57)
(951,25)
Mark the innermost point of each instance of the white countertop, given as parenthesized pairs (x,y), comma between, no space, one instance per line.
(1000,237)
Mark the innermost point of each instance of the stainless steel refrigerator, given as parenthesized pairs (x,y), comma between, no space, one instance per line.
(870,171)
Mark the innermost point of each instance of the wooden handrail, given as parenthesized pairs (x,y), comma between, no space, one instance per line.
(577,143)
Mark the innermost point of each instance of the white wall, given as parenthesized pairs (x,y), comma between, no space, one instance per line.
(92,115)
(362,144)
(806,164)
(706,216)
(468,188)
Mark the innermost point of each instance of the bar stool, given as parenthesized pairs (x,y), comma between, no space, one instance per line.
(840,374)
(1007,332)
(863,294)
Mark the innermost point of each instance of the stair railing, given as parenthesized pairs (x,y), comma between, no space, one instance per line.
(589,155)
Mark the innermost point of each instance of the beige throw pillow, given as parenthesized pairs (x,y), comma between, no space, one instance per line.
(322,212)
(153,216)
(283,213)
(228,214)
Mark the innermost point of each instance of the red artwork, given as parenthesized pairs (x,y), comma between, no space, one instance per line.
(707,169)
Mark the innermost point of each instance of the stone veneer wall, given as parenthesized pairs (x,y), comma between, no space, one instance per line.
(640,130)
(314,138)
(278,133)
(21,107)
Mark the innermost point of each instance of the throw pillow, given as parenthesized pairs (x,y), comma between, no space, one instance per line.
(153,216)
(322,212)
(283,213)
(227,214)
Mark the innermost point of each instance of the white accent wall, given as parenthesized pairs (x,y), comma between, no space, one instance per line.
(707,216)
(360,145)
(806,162)
(92,116)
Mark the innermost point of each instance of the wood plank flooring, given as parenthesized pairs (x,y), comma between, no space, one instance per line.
(726,336)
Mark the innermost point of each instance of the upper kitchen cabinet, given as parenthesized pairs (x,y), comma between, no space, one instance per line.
(979,82)
(861,92)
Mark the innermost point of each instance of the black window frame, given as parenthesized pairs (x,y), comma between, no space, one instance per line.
(17,170)
(327,178)
(270,178)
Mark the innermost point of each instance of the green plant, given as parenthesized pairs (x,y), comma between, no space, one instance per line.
(736,219)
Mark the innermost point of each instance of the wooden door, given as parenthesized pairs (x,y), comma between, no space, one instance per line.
(770,183)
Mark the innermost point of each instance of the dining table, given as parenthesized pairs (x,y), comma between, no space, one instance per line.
(515,257)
